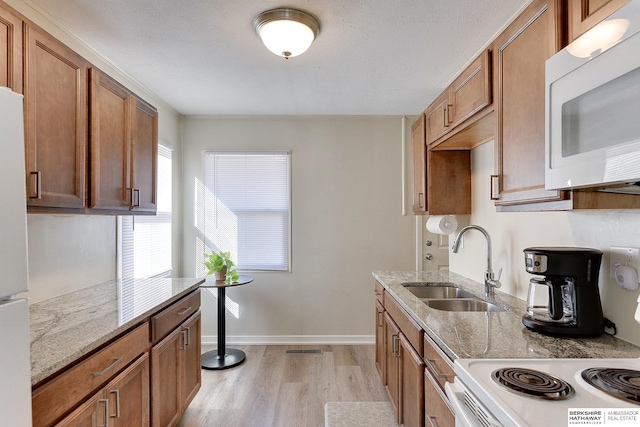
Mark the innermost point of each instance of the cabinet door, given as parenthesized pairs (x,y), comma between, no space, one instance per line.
(471,90)
(411,385)
(90,414)
(419,166)
(380,343)
(166,380)
(192,367)
(436,410)
(10,50)
(144,156)
(55,122)
(392,340)
(109,143)
(438,120)
(128,395)
(519,56)
(585,14)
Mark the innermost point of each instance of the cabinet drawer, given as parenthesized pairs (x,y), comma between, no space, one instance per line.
(169,318)
(408,326)
(437,363)
(379,292)
(58,396)
(436,409)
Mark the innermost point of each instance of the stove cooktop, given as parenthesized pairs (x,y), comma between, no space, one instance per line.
(512,408)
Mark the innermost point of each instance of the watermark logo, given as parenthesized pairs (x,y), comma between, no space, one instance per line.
(613,417)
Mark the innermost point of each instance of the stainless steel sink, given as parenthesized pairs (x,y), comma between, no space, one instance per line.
(466,304)
(438,292)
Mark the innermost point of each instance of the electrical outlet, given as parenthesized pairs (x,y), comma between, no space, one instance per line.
(623,256)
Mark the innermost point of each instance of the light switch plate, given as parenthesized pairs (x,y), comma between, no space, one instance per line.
(620,255)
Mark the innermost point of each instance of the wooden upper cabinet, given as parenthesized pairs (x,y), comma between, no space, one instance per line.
(144,156)
(471,90)
(419,166)
(109,143)
(457,109)
(55,122)
(519,56)
(10,50)
(585,14)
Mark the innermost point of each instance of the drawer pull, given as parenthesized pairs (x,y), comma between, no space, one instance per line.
(394,345)
(183,311)
(433,421)
(380,319)
(187,329)
(184,339)
(106,412)
(108,368)
(435,371)
(117,393)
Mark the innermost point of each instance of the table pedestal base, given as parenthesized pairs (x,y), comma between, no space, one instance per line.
(232,357)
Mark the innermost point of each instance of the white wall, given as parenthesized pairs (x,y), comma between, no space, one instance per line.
(68,252)
(346,222)
(512,232)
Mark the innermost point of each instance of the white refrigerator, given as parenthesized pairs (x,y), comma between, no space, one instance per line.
(15,361)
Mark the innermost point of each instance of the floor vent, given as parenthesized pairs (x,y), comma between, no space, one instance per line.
(315,351)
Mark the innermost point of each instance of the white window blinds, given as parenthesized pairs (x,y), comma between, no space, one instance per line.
(145,243)
(245,207)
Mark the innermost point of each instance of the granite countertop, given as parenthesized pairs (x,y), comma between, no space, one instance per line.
(66,327)
(493,335)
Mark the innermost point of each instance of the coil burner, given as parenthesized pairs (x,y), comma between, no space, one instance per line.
(530,382)
(623,384)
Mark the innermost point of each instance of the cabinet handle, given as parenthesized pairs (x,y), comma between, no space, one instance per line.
(108,368)
(106,411)
(184,339)
(380,319)
(38,186)
(135,191)
(421,200)
(494,179)
(433,421)
(117,393)
(435,371)
(187,329)
(183,311)
(394,345)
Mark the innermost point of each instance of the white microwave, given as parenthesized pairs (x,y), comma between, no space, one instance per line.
(592,112)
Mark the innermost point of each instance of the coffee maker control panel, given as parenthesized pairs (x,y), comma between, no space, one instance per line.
(535,263)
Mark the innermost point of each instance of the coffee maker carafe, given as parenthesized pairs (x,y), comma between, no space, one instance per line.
(566,301)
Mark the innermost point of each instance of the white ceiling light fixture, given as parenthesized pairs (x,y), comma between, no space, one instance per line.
(287,32)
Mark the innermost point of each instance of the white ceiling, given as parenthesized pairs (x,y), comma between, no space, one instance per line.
(372,57)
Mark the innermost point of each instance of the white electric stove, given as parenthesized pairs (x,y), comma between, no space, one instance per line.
(480,396)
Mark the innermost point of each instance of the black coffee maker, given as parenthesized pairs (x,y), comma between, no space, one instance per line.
(566,301)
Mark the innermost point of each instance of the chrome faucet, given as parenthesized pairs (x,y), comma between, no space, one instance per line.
(490,282)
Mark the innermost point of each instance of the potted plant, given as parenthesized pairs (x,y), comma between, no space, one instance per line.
(220,265)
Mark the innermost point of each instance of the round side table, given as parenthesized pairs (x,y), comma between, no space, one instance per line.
(223,357)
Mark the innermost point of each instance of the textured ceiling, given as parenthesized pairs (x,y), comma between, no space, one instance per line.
(372,57)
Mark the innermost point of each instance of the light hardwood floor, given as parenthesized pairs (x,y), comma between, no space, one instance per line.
(272,388)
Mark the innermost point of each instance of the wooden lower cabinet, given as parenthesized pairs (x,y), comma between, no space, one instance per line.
(124,402)
(411,385)
(437,411)
(380,343)
(392,368)
(175,372)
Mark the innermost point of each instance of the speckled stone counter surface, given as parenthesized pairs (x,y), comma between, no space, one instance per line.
(494,335)
(69,326)
(357,414)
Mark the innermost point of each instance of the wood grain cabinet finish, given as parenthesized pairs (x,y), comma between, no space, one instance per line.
(392,368)
(419,152)
(451,118)
(59,395)
(411,385)
(519,56)
(55,122)
(585,14)
(438,370)
(90,414)
(144,156)
(10,49)
(441,179)
(381,354)
(175,373)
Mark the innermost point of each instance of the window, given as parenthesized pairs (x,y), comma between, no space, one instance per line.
(244,207)
(145,240)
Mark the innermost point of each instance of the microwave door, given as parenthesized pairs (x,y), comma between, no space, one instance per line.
(593,130)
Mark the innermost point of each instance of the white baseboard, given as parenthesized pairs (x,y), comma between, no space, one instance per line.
(291,339)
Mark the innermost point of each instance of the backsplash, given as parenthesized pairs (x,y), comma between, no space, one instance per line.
(511,232)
